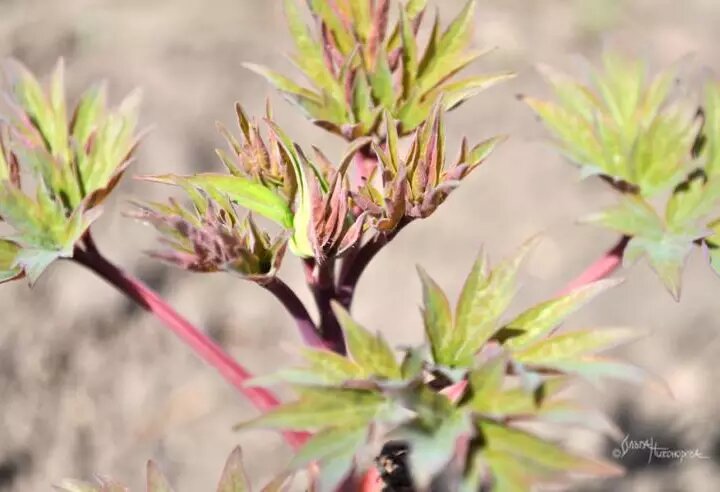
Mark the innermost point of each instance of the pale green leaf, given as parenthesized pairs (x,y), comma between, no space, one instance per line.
(526,447)
(319,408)
(371,352)
(310,56)
(538,321)
(633,216)
(234,478)
(156,481)
(76,486)
(437,318)
(484,298)
(328,443)
(574,344)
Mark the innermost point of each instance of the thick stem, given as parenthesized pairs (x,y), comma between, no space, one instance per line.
(297,310)
(321,280)
(353,267)
(199,342)
(602,268)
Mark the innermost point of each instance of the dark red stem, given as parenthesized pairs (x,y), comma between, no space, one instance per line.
(354,266)
(320,278)
(602,268)
(199,342)
(297,310)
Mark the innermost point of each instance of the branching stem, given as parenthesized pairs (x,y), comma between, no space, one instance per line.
(200,343)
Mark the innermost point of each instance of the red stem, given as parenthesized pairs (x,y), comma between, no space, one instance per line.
(602,268)
(297,310)
(199,342)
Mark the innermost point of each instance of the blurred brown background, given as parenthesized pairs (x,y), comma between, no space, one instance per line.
(89,384)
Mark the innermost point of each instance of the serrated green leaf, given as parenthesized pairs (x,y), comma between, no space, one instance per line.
(595,369)
(538,321)
(381,81)
(449,57)
(334,367)
(482,151)
(344,38)
(8,254)
(310,56)
(487,380)
(369,351)
(362,101)
(234,478)
(632,216)
(526,447)
(312,104)
(666,256)
(319,408)
(484,298)
(574,344)
(437,318)
(693,199)
(90,110)
(156,481)
(76,486)
(328,443)
(711,129)
(455,93)
(409,55)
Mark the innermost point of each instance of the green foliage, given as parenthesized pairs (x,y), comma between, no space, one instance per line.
(628,130)
(622,127)
(233,479)
(355,401)
(359,66)
(75,162)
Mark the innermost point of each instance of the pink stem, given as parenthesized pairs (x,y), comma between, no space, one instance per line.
(199,342)
(602,268)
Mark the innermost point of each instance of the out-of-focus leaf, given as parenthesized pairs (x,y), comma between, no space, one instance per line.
(76,486)
(8,265)
(595,369)
(538,321)
(437,317)
(448,56)
(574,344)
(432,449)
(666,256)
(409,55)
(310,56)
(328,443)
(526,447)
(369,351)
(318,408)
(381,81)
(156,481)
(623,126)
(234,478)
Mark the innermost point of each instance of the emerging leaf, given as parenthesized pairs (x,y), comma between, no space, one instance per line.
(359,66)
(212,237)
(75,163)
